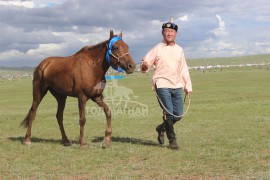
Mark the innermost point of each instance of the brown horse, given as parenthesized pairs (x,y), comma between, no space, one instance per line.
(81,75)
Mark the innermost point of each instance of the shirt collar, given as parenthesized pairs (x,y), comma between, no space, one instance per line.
(165,44)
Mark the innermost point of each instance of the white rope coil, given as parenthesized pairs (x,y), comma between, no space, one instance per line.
(165,109)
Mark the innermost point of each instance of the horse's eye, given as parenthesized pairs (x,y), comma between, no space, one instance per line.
(115,47)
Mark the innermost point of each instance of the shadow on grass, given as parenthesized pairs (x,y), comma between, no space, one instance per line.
(129,140)
(40,140)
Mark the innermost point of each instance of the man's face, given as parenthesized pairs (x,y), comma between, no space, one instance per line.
(169,35)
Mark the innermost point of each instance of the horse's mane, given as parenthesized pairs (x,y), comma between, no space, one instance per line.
(95,46)
(87,48)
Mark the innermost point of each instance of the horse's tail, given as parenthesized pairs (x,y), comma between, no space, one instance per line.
(37,96)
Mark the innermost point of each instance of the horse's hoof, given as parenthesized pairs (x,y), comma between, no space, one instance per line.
(83,146)
(27,143)
(65,143)
(106,144)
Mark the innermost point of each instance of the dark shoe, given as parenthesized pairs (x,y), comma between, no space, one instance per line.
(170,134)
(173,145)
(160,130)
(176,120)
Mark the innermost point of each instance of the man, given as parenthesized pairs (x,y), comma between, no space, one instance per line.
(170,78)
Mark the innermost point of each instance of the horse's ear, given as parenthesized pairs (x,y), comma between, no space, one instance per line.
(111,34)
(121,34)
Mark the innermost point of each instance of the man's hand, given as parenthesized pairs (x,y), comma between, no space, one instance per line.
(187,92)
(143,67)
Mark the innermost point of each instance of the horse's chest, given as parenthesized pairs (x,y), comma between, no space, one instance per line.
(96,89)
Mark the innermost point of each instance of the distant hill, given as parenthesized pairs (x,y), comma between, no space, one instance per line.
(252,59)
(15,70)
(226,61)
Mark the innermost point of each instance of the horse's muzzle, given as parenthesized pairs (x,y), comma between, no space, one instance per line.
(130,67)
(127,65)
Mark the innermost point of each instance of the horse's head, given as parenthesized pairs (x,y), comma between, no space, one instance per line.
(118,55)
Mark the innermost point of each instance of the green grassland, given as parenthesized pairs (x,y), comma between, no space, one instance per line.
(224,135)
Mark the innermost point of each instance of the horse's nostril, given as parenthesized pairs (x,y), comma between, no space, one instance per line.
(129,66)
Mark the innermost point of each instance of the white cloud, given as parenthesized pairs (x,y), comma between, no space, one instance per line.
(183,18)
(33,56)
(27,4)
(94,37)
(156,22)
(52,48)
(47,3)
(221,30)
(31,3)
(11,54)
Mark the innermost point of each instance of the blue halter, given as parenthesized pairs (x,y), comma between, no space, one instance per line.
(109,52)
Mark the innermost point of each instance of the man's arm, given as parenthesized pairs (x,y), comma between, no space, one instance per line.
(149,59)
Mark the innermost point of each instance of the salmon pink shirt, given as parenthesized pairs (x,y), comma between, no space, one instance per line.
(170,67)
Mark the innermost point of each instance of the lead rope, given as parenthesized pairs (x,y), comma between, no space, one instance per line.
(165,109)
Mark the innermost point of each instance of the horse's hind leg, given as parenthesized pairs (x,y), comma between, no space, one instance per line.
(108,132)
(38,93)
(61,100)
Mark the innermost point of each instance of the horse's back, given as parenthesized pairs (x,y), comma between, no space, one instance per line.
(54,63)
(67,75)
(63,64)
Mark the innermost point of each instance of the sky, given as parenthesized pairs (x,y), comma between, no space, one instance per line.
(32,30)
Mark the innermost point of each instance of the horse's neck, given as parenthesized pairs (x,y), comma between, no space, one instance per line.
(98,54)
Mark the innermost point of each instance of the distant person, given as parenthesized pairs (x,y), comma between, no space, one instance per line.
(170,78)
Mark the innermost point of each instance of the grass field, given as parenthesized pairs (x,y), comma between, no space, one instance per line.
(225,134)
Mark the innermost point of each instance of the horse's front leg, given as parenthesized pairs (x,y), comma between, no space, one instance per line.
(82,103)
(108,132)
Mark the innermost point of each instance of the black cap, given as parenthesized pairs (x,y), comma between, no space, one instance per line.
(170,25)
